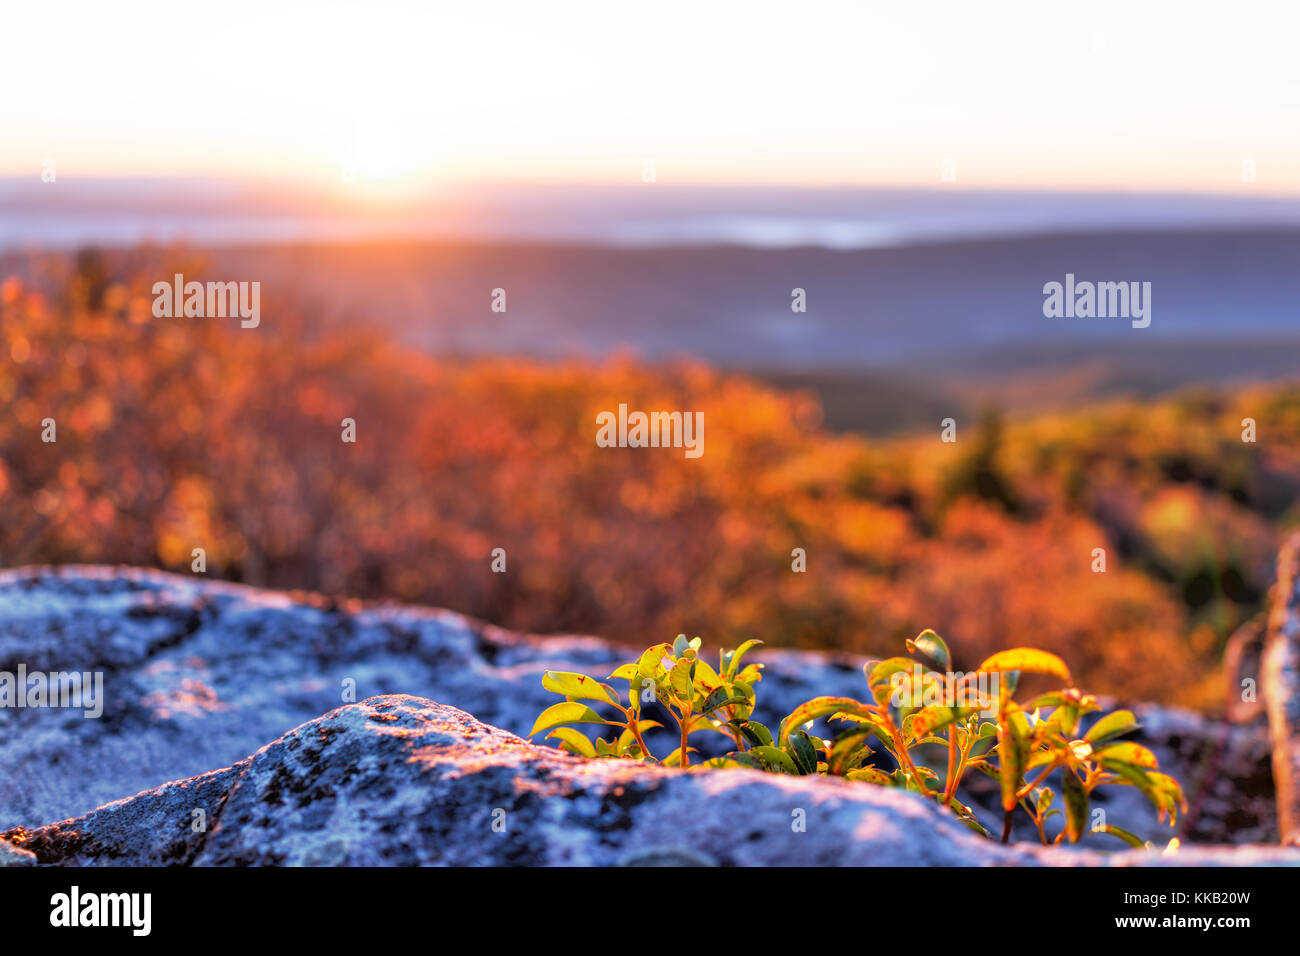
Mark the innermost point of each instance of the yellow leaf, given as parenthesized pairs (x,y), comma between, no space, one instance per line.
(1029,660)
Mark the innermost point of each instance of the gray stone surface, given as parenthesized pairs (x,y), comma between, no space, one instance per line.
(11,855)
(199,674)
(1281,680)
(1243,693)
(400,780)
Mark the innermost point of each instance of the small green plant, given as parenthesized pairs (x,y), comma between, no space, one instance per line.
(970,722)
(696,696)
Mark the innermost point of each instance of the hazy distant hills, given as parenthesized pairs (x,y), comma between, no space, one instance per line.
(915,299)
(75,210)
(872,307)
(912,326)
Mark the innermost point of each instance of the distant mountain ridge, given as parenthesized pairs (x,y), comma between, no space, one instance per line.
(72,211)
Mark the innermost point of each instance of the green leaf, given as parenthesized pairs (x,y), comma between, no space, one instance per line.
(1039,758)
(849,750)
(722,697)
(803,752)
(1132,776)
(1064,720)
(932,718)
(634,685)
(1114,724)
(985,740)
(566,712)
(650,664)
(623,672)
(1164,800)
(819,707)
(777,757)
(1027,659)
(705,677)
(579,686)
(674,759)
(1170,786)
(1122,834)
(679,679)
(932,646)
(736,656)
(743,711)
(880,676)
(574,741)
(1069,697)
(1044,798)
(733,761)
(1076,805)
(975,825)
(1013,754)
(755,733)
(628,739)
(870,775)
(924,772)
(1125,751)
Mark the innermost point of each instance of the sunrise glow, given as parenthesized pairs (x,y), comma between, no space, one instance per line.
(1008,94)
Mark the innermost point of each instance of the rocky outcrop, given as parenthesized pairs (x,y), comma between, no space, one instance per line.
(403,781)
(197,675)
(1281,681)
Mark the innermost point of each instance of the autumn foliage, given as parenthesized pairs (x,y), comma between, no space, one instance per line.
(181,433)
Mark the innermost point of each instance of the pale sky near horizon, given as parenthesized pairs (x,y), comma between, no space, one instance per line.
(1105,95)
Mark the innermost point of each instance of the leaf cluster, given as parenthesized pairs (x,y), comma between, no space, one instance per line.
(919,713)
(696,697)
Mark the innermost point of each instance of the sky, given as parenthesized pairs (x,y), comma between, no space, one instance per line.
(1126,95)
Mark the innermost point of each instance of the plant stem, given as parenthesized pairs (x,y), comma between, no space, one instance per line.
(1038,821)
(1028,788)
(736,735)
(636,732)
(1006,826)
(950,783)
(906,758)
(632,721)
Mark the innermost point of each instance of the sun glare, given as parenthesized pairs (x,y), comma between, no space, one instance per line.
(378,162)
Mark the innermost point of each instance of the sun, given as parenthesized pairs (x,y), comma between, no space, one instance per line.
(377,159)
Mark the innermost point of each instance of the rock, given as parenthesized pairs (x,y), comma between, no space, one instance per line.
(199,674)
(1281,682)
(401,780)
(11,855)
(1242,666)
(1225,770)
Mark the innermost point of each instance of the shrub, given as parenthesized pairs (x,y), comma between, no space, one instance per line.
(913,707)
